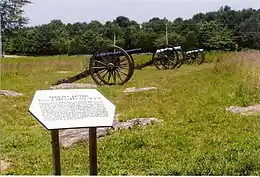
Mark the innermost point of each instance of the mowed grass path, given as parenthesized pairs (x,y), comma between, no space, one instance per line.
(197,136)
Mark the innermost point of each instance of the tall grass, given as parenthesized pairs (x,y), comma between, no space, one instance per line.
(245,66)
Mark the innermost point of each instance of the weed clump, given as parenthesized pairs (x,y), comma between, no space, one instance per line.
(244,66)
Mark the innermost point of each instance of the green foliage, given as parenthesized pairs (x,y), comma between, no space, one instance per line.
(123,22)
(191,41)
(146,38)
(211,36)
(222,40)
(11,13)
(225,29)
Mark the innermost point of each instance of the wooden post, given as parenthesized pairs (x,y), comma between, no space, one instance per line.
(114,39)
(166,34)
(1,44)
(55,152)
(93,151)
(114,42)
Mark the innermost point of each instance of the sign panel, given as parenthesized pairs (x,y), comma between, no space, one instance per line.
(74,108)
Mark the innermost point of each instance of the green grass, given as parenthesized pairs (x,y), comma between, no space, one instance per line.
(197,136)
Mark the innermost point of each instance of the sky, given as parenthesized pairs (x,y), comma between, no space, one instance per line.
(71,11)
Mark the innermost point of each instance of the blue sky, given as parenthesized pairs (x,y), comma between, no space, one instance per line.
(70,11)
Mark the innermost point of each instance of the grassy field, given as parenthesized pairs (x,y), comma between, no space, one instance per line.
(197,136)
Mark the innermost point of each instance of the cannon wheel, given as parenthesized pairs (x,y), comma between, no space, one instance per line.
(196,58)
(113,69)
(166,60)
(182,58)
(200,58)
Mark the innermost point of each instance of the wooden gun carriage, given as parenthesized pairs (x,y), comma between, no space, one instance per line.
(195,56)
(113,65)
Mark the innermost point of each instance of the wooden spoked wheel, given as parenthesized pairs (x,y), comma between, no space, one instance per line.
(195,58)
(182,57)
(111,65)
(165,58)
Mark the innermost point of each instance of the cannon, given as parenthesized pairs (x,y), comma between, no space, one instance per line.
(195,56)
(166,57)
(113,65)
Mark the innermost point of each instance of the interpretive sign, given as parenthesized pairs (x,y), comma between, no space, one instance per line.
(74,108)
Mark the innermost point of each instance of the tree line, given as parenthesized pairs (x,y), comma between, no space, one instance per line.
(224,29)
